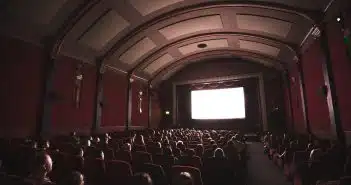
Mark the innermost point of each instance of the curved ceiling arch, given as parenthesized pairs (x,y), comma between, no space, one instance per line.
(200,7)
(68,25)
(223,53)
(205,36)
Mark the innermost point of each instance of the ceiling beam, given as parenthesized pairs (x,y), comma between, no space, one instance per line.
(147,60)
(216,54)
(309,15)
(69,24)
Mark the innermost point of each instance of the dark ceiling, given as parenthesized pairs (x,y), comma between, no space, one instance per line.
(155,38)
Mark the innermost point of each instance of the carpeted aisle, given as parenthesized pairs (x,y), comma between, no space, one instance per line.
(262,171)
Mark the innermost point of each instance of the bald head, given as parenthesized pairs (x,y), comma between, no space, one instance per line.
(183,178)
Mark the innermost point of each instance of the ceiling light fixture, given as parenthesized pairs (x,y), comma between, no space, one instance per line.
(338,19)
(202,45)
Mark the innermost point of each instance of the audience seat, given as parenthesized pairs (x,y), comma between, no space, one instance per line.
(155,171)
(118,171)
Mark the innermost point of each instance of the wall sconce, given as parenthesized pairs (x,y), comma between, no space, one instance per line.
(140,95)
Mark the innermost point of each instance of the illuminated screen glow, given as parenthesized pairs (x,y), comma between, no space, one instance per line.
(226,103)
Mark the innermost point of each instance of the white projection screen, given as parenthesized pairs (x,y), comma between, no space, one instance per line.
(212,104)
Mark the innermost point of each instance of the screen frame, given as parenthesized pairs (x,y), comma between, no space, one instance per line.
(218,118)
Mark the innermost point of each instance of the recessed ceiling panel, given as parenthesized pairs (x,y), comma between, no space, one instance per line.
(146,7)
(203,45)
(259,47)
(137,50)
(39,11)
(158,63)
(105,29)
(193,25)
(264,24)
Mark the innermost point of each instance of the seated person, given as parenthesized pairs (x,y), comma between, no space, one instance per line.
(42,165)
(209,152)
(189,159)
(74,178)
(199,150)
(219,153)
(125,153)
(141,179)
(184,178)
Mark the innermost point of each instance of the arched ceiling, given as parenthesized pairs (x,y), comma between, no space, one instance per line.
(154,38)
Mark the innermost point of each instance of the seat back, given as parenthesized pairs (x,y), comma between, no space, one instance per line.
(118,171)
(94,170)
(123,156)
(155,171)
(141,157)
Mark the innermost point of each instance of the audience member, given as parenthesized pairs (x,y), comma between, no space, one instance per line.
(141,179)
(41,167)
(74,178)
(183,178)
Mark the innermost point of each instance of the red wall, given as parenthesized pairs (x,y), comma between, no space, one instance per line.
(342,73)
(65,116)
(296,104)
(155,111)
(114,100)
(318,113)
(21,69)
(21,84)
(317,106)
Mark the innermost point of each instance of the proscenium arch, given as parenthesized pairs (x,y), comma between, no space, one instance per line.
(223,34)
(201,6)
(226,53)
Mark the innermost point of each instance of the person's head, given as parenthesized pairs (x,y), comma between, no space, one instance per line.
(42,164)
(79,152)
(139,140)
(34,145)
(158,145)
(88,143)
(212,142)
(74,178)
(219,153)
(199,150)
(183,178)
(214,147)
(165,142)
(141,179)
(180,145)
(168,151)
(190,152)
(127,147)
(96,140)
(44,144)
(309,146)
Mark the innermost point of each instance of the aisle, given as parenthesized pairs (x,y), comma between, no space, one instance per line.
(261,171)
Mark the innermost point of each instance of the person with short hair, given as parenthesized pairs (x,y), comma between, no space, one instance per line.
(142,179)
(219,153)
(74,178)
(183,178)
(42,165)
(199,150)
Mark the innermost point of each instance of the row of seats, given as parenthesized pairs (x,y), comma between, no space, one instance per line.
(114,158)
(309,161)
